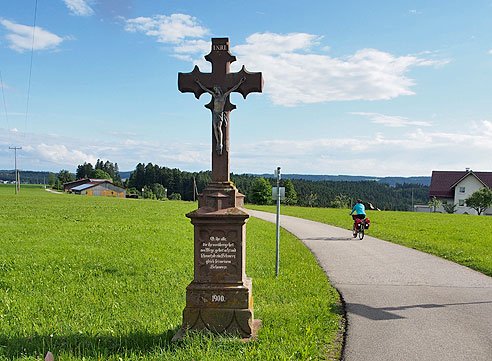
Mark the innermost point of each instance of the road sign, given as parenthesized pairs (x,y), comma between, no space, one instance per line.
(282,193)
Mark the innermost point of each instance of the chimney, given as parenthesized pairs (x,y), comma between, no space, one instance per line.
(467,170)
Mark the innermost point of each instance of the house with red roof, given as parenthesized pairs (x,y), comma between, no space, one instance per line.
(455,186)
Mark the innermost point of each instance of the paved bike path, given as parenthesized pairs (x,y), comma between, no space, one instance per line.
(401,304)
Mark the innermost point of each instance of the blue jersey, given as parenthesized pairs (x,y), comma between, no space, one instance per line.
(359,209)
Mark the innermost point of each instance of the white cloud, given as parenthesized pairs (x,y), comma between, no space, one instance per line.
(417,152)
(490,51)
(61,154)
(55,152)
(391,120)
(276,44)
(485,127)
(79,7)
(167,29)
(21,36)
(400,154)
(15,130)
(294,74)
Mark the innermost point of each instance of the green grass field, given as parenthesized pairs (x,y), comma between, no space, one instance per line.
(93,278)
(463,239)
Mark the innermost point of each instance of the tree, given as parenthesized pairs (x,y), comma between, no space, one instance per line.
(159,190)
(116,175)
(480,200)
(51,179)
(449,207)
(340,201)
(290,192)
(99,174)
(64,176)
(84,171)
(434,203)
(148,194)
(58,185)
(175,197)
(311,199)
(261,191)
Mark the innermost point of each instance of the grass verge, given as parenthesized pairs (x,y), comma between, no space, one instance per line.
(95,278)
(464,239)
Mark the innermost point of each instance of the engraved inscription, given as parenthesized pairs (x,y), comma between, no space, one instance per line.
(218,254)
(219,47)
(218,298)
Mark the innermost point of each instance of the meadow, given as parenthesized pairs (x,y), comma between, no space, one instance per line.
(93,278)
(464,239)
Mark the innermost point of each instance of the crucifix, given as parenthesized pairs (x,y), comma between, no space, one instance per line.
(219,299)
(220,83)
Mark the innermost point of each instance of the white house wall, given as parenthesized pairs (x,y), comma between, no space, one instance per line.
(470,184)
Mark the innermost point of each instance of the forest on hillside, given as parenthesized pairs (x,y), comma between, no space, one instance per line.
(26,177)
(309,193)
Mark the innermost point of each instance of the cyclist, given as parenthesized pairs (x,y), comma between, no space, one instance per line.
(359,210)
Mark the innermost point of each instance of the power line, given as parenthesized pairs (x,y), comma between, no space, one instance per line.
(30,67)
(5,106)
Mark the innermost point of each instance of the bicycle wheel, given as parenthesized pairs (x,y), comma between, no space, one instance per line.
(354,231)
(361,232)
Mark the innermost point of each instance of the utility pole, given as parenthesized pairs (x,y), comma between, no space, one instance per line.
(17,178)
(277,253)
(412,201)
(195,191)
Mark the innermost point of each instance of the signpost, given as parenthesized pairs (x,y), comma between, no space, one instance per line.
(278,197)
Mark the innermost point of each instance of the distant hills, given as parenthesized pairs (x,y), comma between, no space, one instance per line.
(26,176)
(37,177)
(392,181)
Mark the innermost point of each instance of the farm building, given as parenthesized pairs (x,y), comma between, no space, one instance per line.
(455,187)
(67,187)
(99,188)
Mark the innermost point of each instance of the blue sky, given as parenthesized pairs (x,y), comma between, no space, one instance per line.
(375,88)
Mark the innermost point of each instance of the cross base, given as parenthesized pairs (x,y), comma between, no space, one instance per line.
(219,299)
(233,317)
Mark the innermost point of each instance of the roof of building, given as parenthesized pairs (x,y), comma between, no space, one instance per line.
(84,186)
(86,180)
(443,182)
(93,183)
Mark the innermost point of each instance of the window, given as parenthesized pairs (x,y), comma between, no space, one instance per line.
(461,202)
(462,189)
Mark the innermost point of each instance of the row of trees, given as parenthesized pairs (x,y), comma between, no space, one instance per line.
(153,181)
(102,170)
(56,181)
(182,185)
(298,191)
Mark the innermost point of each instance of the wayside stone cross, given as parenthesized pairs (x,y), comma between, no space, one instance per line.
(220,83)
(220,297)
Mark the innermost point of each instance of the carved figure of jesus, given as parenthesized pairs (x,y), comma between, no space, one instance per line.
(219,116)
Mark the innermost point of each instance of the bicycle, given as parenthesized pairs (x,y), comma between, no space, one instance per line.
(359,227)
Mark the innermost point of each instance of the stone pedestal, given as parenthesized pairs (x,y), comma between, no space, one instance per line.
(219,299)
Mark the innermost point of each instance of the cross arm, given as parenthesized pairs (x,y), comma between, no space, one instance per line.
(245,81)
(187,82)
(253,82)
